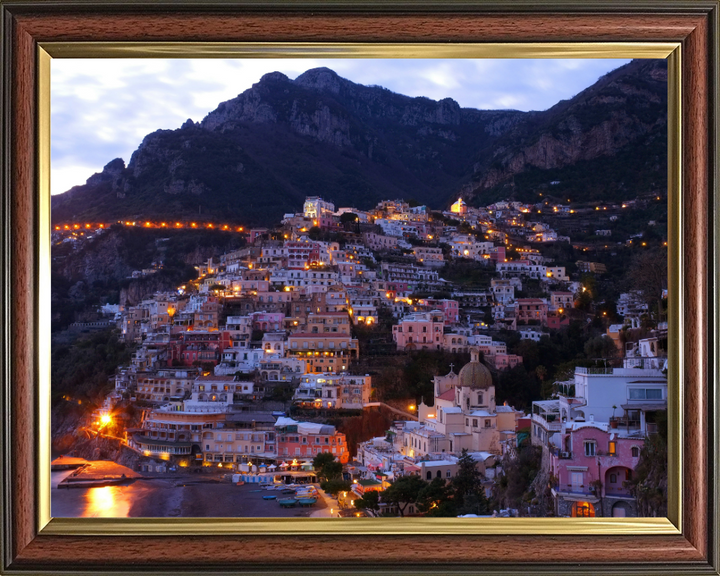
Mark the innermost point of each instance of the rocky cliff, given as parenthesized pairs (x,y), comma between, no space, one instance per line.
(258,155)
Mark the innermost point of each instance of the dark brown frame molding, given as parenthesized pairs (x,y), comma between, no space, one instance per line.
(25,24)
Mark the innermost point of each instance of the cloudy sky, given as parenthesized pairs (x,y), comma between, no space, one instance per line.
(102,108)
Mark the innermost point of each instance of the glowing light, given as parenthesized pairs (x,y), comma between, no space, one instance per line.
(105,419)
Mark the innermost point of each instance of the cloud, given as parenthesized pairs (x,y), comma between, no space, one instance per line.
(102,108)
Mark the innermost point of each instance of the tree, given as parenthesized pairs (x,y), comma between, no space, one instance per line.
(370,501)
(403,492)
(436,499)
(514,487)
(467,486)
(335,486)
(649,482)
(600,347)
(348,217)
(326,466)
(648,275)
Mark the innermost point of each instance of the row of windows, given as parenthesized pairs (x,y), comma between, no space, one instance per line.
(488,423)
(591,448)
(320,345)
(438,474)
(645,394)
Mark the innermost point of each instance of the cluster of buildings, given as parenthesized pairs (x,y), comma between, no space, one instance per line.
(592,432)
(281,312)
(463,416)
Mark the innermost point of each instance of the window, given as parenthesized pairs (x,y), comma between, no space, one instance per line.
(645,393)
(613,478)
(448,474)
(474,422)
(488,423)
(590,448)
(611,448)
(635,452)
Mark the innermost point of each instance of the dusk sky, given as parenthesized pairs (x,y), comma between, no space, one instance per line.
(103,108)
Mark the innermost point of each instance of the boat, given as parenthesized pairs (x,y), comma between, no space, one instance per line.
(288,503)
(306,501)
(288,490)
(269,496)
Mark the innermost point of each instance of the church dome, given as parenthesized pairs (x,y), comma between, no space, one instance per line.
(475,374)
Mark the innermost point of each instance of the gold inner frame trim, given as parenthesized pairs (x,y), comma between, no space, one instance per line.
(356,50)
(358,526)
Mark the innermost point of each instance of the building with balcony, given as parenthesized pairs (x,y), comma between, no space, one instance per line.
(305,440)
(333,391)
(612,409)
(323,352)
(591,469)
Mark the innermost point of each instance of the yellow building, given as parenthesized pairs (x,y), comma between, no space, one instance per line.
(459,207)
(323,352)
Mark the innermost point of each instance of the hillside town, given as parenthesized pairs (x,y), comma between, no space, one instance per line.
(251,366)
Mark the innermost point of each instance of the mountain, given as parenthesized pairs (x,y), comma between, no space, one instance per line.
(258,155)
(607,143)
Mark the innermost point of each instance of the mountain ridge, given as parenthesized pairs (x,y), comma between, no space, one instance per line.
(258,155)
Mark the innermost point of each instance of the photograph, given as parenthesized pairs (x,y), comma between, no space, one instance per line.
(352,288)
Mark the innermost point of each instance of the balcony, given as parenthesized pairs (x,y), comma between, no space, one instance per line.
(554,426)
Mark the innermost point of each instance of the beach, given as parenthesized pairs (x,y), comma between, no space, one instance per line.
(175,496)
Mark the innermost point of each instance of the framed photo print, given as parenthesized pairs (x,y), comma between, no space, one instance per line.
(381,286)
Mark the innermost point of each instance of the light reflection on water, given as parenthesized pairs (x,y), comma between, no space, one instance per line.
(100,502)
(107,502)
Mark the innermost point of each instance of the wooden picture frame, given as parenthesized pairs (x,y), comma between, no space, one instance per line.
(30,545)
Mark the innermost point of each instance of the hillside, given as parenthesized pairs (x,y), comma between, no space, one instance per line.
(258,155)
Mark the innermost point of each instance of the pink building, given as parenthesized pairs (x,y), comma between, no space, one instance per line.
(531,309)
(328,222)
(422,330)
(497,254)
(562,300)
(503,361)
(267,320)
(449,308)
(302,254)
(379,241)
(198,346)
(590,452)
(556,320)
(305,440)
